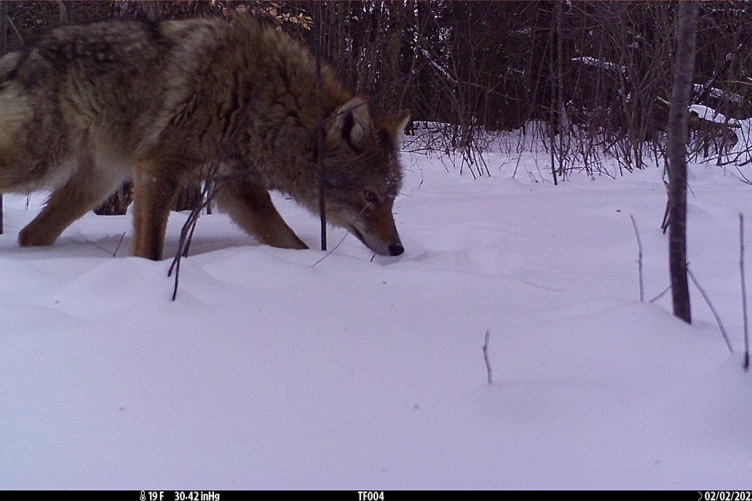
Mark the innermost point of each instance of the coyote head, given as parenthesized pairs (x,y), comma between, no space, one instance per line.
(363,174)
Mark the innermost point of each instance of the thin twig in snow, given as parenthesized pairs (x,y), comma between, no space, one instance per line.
(639,257)
(712,308)
(101,247)
(744,291)
(656,298)
(120,242)
(485,356)
(210,188)
(329,253)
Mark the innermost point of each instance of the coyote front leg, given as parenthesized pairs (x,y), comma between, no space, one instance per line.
(154,190)
(250,206)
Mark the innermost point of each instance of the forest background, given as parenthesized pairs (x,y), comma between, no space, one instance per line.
(593,77)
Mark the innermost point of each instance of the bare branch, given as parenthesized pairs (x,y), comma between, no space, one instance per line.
(712,308)
(485,356)
(211,187)
(320,123)
(639,257)
(744,291)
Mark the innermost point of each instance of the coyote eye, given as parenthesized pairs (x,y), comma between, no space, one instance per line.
(370,197)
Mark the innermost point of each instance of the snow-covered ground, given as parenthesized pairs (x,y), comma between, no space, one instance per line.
(280,369)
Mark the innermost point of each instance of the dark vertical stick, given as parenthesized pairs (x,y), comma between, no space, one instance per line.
(485,356)
(639,257)
(561,121)
(320,123)
(553,125)
(744,291)
(3,50)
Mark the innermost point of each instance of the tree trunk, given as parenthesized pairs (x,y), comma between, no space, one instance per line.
(677,153)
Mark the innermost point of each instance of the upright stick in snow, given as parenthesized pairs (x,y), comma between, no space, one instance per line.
(639,258)
(485,356)
(3,50)
(744,291)
(319,124)
(677,151)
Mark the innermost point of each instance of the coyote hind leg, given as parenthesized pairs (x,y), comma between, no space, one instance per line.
(81,193)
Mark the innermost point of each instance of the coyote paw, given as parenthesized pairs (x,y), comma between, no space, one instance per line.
(29,238)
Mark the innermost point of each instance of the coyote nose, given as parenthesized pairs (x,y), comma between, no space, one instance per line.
(396,249)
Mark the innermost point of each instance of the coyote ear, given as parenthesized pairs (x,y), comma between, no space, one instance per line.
(349,123)
(394,125)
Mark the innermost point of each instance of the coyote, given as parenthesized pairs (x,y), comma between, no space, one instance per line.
(89,106)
